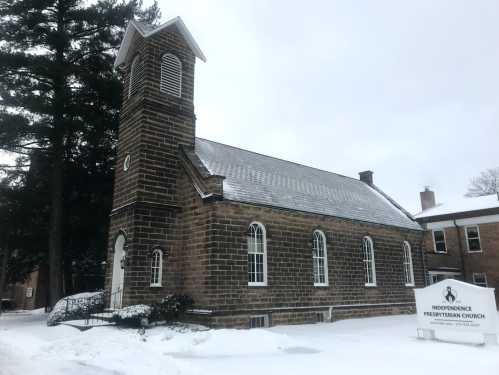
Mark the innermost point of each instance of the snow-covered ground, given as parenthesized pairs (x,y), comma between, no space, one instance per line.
(386,345)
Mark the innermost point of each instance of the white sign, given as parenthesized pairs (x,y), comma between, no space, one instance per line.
(29,292)
(456,305)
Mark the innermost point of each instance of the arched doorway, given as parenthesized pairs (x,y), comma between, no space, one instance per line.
(118,272)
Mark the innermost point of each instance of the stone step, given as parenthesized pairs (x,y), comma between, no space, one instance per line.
(105,316)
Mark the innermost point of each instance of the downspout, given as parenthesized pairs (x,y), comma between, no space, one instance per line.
(461,252)
(422,246)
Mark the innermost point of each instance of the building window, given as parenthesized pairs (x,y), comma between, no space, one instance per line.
(259,321)
(473,239)
(320,259)
(322,317)
(135,76)
(408,269)
(480,279)
(257,255)
(171,75)
(156,267)
(439,241)
(437,276)
(370,267)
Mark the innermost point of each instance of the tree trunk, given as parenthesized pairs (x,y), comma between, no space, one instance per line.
(68,276)
(3,269)
(55,234)
(57,178)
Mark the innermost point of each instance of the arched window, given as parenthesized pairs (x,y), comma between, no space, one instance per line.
(171,75)
(408,270)
(135,76)
(369,266)
(156,267)
(257,255)
(320,259)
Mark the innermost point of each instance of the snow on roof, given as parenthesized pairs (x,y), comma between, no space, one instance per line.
(463,204)
(264,180)
(147,30)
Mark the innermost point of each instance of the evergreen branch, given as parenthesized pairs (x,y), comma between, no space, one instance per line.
(90,52)
(6,166)
(88,32)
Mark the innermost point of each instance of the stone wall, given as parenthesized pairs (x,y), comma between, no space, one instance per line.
(155,205)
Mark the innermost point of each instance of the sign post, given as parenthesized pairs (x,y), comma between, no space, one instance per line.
(458,306)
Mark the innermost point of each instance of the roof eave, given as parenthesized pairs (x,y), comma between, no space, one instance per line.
(458,215)
(133,27)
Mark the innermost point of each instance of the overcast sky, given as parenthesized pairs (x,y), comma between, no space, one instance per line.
(409,90)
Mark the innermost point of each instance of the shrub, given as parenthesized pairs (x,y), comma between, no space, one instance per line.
(77,306)
(132,316)
(170,308)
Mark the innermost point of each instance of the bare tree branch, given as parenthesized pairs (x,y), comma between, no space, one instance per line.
(485,184)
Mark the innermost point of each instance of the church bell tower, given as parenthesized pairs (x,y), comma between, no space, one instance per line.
(157,117)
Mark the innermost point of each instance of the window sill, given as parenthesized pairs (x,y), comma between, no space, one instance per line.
(370,285)
(475,251)
(257,284)
(410,285)
(440,252)
(321,285)
(155,286)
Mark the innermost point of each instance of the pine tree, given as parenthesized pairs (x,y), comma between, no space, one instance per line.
(59,95)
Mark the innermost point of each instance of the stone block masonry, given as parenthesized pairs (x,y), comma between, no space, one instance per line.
(160,202)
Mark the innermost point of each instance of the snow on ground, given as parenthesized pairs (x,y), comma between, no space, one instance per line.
(384,345)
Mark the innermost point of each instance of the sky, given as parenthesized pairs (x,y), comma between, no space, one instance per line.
(409,90)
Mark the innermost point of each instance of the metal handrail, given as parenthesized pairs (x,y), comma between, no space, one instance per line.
(91,309)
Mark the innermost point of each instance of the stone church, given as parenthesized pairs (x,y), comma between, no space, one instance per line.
(254,240)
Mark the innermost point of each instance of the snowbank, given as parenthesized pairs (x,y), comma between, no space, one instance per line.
(374,346)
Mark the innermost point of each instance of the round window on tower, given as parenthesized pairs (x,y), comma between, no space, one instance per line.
(126,163)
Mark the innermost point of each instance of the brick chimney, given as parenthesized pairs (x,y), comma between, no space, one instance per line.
(427,198)
(367,177)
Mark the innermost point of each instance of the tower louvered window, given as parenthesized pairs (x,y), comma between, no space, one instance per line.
(136,73)
(171,75)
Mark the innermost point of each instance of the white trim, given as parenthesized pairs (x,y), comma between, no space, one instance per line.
(132,79)
(326,277)
(127,162)
(133,27)
(484,276)
(264,233)
(409,263)
(434,242)
(158,283)
(372,261)
(310,307)
(444,273)
(467,240)
(462,222)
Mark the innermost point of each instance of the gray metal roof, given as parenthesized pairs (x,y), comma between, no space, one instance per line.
(259,179)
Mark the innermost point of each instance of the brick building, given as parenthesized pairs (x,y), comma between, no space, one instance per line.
(253,239)
(461,239)
(27,295)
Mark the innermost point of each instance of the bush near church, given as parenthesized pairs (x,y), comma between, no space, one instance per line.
(168,309)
